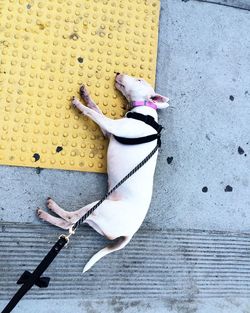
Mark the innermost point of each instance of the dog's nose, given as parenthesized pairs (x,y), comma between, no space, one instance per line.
(117,74)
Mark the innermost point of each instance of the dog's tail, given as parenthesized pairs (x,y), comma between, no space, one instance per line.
(118,244)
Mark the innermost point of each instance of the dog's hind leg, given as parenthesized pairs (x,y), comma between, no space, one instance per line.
(54,207)
(67,218)
(59,222)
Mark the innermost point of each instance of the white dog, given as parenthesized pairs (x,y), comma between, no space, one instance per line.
(120,216)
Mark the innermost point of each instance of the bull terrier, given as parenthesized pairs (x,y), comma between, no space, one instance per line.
(122,213)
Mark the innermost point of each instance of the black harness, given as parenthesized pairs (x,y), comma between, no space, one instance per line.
(149,120)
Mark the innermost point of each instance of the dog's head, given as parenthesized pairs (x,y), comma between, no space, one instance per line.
(135,89)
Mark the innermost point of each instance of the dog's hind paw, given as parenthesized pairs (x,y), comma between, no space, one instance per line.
(40,213)
(50,203)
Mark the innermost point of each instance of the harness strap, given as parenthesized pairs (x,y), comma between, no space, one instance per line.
(137,141)
(149,120)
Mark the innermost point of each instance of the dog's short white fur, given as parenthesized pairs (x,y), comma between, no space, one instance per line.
(120,216)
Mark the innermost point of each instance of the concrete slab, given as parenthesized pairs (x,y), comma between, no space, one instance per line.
(204,67)
(117,305)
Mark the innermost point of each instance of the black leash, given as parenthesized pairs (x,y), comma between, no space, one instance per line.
(27,279)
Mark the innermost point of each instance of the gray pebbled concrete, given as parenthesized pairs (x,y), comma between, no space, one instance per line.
(204,67)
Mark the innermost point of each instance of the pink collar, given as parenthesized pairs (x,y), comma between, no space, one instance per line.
(144,103)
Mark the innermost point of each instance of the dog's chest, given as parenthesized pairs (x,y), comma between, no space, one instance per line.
(121,160)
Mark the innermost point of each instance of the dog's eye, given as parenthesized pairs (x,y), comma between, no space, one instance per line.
(139,80)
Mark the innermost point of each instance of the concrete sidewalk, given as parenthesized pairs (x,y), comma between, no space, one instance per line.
(201,183)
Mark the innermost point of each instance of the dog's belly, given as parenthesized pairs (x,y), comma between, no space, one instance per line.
(117,218)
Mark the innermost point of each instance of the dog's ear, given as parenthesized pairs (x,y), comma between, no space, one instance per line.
(160,101)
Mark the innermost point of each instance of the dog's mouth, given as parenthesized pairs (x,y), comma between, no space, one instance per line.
(119,84)
(118,81)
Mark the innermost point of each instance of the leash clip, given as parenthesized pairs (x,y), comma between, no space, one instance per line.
(71,232)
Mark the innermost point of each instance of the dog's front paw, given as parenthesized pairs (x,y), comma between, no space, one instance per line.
(84,92)
(77,104)
(74,101)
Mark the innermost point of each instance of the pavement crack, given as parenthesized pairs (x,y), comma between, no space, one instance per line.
(241,5)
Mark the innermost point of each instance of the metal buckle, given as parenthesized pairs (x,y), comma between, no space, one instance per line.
(71,232)
(160,129)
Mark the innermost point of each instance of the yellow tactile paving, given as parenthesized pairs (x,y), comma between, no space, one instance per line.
(47,49)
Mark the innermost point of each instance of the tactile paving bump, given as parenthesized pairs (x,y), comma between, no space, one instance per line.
(49,48)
